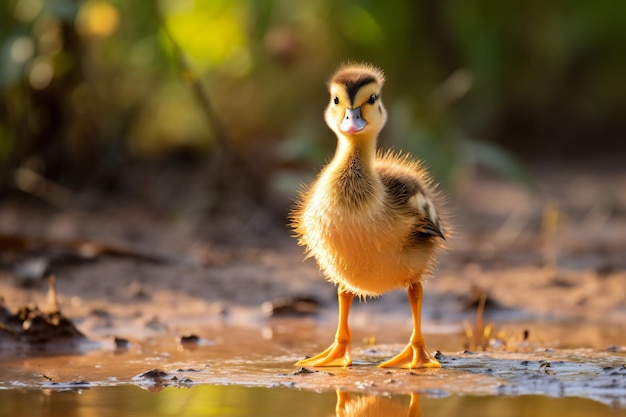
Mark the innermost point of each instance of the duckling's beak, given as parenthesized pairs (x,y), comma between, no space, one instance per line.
(352,121)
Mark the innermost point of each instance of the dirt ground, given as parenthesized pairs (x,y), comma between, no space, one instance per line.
(554,254)
(136,279)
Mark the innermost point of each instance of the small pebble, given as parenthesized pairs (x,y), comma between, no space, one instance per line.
(440,356)
(190,339)
(121,343)
(153,374)
(303,371)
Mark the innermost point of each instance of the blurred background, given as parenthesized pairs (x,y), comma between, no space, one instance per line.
(218,98)
(184,128)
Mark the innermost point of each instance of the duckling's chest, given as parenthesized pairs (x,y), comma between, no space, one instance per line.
(349,183)
(348,213)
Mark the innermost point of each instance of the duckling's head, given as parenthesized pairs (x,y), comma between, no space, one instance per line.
(356,109)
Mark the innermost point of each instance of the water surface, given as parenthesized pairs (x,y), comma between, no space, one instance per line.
(209,400)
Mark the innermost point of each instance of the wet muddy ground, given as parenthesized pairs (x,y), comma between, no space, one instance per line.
(250,371)
(556,311)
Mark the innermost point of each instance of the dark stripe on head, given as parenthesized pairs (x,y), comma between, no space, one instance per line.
(353,86)
(354,77)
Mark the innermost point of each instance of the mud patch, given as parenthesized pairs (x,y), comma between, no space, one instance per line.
(244,357)
(30,326)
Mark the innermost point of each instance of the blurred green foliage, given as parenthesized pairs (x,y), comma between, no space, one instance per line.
(91,86)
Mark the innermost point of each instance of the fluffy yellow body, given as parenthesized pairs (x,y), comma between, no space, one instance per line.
(364,247)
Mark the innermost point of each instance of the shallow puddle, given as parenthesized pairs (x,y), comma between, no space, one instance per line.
(216,400)
(250,372)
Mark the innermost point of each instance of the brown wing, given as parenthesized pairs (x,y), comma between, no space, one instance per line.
(409,193)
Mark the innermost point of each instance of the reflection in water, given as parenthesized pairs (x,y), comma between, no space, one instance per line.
(240,401)
(350,405)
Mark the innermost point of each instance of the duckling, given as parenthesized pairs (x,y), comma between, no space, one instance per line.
(371,220)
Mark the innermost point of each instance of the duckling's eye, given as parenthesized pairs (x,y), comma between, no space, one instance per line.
(372,99)
(336,100)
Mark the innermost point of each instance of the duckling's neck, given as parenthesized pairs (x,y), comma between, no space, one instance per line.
(349,148)
(352,170)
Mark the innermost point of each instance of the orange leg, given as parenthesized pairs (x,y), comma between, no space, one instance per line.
(416,354)
(337,354)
